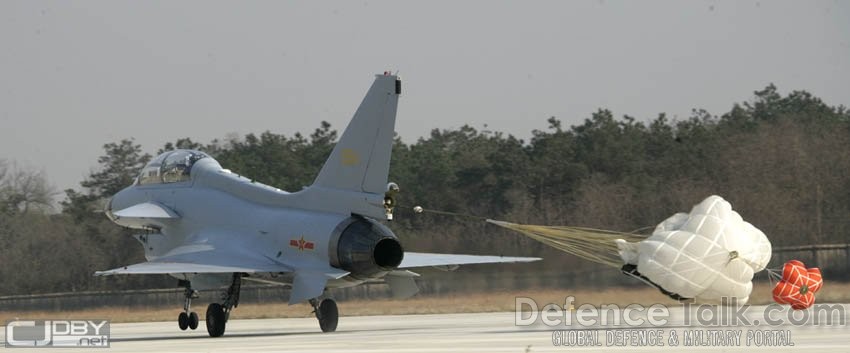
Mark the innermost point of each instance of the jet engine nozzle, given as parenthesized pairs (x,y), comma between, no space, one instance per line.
(365,248)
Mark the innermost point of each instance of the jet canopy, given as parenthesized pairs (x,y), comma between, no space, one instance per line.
(170,167)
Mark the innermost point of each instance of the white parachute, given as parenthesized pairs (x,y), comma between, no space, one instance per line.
(706,255)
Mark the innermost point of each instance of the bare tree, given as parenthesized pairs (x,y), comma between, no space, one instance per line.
(24,189)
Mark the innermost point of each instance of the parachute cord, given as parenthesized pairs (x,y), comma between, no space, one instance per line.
(773,275)
(596,245)
(456,214)
(642,229)
(735,255)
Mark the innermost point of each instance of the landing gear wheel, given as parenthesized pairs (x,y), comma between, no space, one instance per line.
(193,320)
(328,315)
(183,321)
(216,318)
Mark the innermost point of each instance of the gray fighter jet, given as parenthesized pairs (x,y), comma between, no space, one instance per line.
(211,228)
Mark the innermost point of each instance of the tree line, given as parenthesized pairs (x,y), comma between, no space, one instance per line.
(782,161)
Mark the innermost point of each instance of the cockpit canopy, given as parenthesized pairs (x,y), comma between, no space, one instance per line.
(170,167)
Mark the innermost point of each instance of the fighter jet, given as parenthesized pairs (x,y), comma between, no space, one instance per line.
(211,228)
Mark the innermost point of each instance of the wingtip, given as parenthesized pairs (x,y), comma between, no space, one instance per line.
(527,259)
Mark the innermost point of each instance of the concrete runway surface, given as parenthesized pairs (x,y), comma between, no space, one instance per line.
(483,332)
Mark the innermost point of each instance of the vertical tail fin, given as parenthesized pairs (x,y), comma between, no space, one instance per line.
(360,161)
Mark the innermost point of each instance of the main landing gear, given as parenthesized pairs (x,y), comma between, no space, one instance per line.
(327,313)
(217,314)
(188,319)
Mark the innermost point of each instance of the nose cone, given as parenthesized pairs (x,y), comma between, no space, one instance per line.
(107,209)
(123,199)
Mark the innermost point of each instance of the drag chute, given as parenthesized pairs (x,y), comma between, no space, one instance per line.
(706,255)
(798,285)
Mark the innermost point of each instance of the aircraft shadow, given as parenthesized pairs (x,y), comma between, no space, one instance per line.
(243,335)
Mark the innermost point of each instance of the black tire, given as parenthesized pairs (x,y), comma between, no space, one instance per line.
(215,320)
(328,315)
(193,320)
(183,321)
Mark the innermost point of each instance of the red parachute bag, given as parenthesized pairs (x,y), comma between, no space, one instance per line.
(798,285)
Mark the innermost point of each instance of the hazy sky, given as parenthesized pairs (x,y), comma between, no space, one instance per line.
(77,74)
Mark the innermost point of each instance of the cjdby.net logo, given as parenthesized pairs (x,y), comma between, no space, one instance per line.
(57,333)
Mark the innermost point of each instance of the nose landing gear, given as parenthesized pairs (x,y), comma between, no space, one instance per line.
(188,319)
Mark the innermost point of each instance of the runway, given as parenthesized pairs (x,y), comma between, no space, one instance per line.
(483,332)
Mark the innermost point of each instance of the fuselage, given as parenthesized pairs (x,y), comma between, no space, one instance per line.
(219,209)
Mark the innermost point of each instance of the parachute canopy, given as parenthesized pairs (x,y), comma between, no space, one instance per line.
(798,285)
(706,255)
